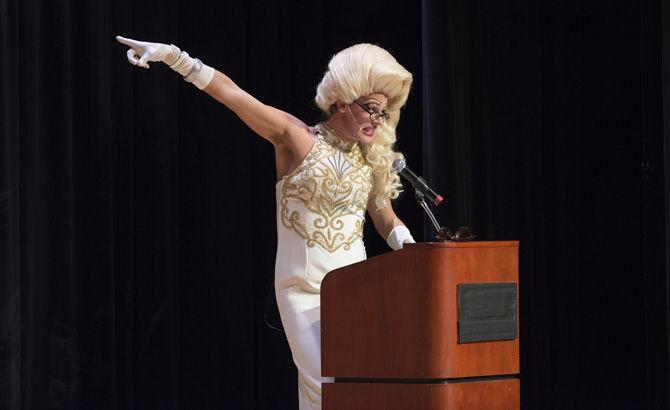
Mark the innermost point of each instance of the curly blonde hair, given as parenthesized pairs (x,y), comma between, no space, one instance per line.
(361,70)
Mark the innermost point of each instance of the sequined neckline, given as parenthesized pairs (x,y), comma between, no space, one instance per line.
(330,135)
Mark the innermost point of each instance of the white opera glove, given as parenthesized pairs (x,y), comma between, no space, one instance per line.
(399,236)
(192,69)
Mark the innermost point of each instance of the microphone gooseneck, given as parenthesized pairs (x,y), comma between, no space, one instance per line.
(423,191)
(417,182)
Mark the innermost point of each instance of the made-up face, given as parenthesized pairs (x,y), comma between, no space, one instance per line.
(362,117)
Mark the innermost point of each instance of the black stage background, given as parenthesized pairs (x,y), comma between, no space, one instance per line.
(137,230)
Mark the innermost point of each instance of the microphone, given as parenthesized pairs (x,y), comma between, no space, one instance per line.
(417,182)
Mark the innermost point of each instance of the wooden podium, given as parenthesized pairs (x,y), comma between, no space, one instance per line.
(430,326)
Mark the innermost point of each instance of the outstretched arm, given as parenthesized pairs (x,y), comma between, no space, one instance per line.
(389,226)
(270,123)
(281,129)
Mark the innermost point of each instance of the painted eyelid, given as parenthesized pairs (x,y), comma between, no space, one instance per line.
(371,109)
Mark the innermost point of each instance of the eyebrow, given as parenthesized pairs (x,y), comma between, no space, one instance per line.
(372,101)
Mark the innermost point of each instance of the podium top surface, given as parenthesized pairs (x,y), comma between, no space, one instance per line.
(471,244)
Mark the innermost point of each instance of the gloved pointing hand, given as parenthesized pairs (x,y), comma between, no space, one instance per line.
(192,69)
(141,51)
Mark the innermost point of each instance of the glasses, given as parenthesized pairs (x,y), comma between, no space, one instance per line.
(374,114)
(462,234)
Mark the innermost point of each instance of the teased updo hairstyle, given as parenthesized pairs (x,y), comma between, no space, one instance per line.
(361,70)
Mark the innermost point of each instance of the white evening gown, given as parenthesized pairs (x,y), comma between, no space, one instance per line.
(320,215)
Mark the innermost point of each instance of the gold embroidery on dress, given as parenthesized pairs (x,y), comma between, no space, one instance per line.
(332,183)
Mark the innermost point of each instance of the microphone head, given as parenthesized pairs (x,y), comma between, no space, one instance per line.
(399,164)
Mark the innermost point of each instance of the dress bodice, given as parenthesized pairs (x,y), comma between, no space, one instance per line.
(324,199)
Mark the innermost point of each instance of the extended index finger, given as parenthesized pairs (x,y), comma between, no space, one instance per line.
(129,42)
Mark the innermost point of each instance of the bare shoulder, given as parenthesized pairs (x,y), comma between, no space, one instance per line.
(293,146)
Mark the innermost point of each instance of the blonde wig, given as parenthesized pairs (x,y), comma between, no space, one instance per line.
(361,70)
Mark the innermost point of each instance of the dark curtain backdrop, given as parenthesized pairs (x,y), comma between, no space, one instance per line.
(553,136)
(137,214)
